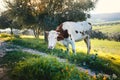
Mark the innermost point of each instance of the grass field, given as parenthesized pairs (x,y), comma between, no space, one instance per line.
(108,28)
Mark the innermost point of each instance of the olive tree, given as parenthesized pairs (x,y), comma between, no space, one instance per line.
(47,14)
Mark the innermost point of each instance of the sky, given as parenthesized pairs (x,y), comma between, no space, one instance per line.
(2,6)
(102,6)
(107,6)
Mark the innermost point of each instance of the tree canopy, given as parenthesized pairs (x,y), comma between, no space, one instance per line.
(47,14)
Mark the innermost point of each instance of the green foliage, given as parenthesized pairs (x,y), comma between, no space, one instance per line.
(110,32)
(27,66)
(41,15)
(16,36)
(98,35)
(54,12)
(95,63)
(43,68)
(5,21)
(11,58)
(8,21)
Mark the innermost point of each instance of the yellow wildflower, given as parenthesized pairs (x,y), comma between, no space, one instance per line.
(104,78)
(86,71)
(66,68)
(94,77)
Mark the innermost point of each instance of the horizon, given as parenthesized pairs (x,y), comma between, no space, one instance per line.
(105,13)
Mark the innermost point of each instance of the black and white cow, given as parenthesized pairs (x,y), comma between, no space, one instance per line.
(68,33)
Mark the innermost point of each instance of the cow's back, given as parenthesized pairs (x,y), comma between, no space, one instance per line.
(81,26)
(77,29)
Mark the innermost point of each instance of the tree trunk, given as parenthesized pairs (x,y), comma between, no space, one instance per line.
(46,36)
(11,30)
(36,31)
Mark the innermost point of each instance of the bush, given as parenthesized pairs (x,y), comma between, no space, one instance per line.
(13,57)
(114,36)
(17,36)
(98,34)
(46,68)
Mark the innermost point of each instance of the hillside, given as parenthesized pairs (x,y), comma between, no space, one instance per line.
(108,17)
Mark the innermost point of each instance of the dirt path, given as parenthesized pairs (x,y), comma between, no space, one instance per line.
(3,70)
(2,49)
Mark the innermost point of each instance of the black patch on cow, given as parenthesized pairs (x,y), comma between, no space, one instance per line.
(65,34)
(60,37)
(89,23)
(76,31)
(82,33)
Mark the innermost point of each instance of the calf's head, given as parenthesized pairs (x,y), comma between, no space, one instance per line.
(52,39)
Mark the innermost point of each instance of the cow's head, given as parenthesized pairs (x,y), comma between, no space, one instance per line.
(52,39)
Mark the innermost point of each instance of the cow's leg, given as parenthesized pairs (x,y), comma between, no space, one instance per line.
(67,47)
(73,46)
(87,41)
(66,44)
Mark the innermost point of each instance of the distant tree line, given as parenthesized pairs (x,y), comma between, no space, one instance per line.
(100,35)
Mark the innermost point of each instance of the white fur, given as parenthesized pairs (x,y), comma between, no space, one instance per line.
(76,26)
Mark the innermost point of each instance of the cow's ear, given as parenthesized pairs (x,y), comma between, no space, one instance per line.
(47,32)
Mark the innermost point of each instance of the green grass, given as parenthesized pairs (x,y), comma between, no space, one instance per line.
(14,57)
(101,47)
(27,66)
(108,29)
